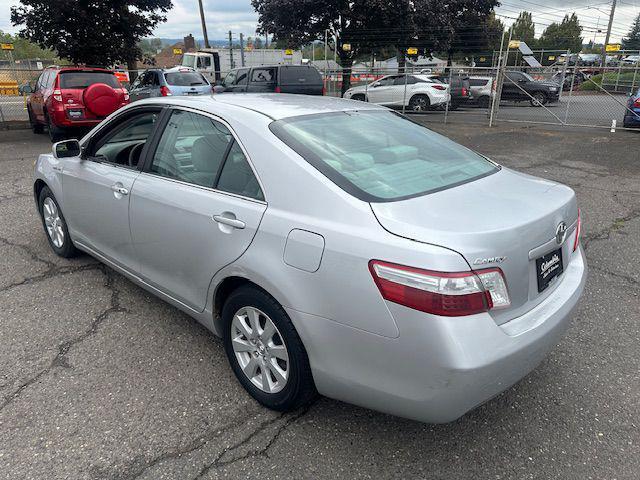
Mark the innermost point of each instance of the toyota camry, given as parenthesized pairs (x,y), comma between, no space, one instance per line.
(336,246)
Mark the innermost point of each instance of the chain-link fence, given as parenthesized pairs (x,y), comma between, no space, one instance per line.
(567,92)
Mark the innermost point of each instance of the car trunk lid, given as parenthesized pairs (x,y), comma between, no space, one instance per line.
(505,220)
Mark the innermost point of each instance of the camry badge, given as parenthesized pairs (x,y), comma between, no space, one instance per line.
(561,232)
(484,261)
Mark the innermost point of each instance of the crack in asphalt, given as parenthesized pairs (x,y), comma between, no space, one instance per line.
(621,276)
(60,359)
(263,451)
(605,234)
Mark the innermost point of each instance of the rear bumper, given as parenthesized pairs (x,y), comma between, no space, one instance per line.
(438,368)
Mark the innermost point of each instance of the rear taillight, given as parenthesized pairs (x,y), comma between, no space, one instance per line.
(439,87)
(441,293)
(576,239)
(57,95)
(278,90)
(636,104)
(164,91)
(464,92)
(126,94)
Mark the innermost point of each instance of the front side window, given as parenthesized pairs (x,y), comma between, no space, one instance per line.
(229,79)
(380,156)
(242,78)
(123,144)
(383,82)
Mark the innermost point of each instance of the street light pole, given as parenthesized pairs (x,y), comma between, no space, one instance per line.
(204,26)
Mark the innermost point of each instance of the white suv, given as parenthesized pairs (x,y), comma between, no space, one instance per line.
(422,92)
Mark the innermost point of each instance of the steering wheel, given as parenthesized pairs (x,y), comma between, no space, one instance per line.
(134,154)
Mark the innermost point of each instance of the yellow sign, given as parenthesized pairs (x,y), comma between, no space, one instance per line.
(346,47)
(177,51)
(412,51)
(551,58)
(6,46)
(613,47)
(288,51)
(483,59)
(514,44)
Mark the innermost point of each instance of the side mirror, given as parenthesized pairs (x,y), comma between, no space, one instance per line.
(374,85)
(66,148)
(522,80)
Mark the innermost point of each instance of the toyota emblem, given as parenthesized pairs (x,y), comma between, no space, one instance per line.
(561,232)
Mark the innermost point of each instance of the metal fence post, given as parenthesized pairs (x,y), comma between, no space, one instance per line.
(404,94)
(498,93)
(564,71)
(573,79)
(446,105)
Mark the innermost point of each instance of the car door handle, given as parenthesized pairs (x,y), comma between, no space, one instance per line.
(119,189)
(232,222)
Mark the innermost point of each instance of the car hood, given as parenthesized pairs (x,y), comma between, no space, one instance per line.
(506,217)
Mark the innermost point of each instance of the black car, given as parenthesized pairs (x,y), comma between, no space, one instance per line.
(460,89)
(521,87)
(580,78)
(303,79)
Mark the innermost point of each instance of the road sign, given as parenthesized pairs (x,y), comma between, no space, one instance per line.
(551,58)
(412,51)
(346,47)
(177,51)
(6,46)
(288,51)
(514,44)
(39,65)
(613,47)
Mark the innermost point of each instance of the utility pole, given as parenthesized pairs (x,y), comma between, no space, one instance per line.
(325,48)
(204,26)
(231,50)
(242,50)
(606,40)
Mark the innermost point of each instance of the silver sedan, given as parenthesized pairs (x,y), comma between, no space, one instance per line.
(335,246)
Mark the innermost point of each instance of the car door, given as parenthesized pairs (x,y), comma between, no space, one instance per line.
(510,90)
(401,89)
(195,208)
(378,91)
(37,99)
(137,87)
(241,81)
(97,185)
(262,79)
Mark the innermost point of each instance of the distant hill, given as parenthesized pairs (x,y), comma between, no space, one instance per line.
(214,43)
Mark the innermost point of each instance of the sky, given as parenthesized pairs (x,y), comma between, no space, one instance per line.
(239,16)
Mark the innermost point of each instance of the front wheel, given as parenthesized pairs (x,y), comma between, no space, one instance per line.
(265,351)
(359,97)
(419,103)
(55,226)
(538,99)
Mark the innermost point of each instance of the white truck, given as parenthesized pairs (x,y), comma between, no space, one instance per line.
(214,63)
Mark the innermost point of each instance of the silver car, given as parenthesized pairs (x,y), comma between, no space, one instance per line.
(336,246)
(158,82)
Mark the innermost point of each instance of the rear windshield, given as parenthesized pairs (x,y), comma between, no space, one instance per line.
(380,156)
(185,79)
(84,79)
(295,75)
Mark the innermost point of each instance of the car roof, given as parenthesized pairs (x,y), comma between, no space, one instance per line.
(77,69)
(273,105)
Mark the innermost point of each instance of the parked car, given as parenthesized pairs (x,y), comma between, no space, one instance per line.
(68,98)
(459,89)
(632,112)
(520,86)
(589,59)
(481,91)
(335,246)
(303,79)
(631,60)
(173,81)
(417,92)
(568,80)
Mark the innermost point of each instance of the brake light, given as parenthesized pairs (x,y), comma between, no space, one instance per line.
(464,92)
(278,90)
(164,91)
(57,95)
(439,87)
(636,104)
(576,240)
(448,294)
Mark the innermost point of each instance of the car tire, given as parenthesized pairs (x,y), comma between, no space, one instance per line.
(249,350)
(538,99)
(420,103)
(56,134)
(359,97)
(55,226)
(35,126)
(483,102)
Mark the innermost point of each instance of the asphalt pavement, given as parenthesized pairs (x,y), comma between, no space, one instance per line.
(101,380)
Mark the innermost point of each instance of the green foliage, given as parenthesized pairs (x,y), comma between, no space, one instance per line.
(524,29)
(24,49)
(610,78)
(150,46)
(99,32)
(563,36)
(632,40)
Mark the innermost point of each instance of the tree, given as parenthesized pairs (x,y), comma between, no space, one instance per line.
(632,41)
(24,49)
(565,35)
(524,29)
(99,32)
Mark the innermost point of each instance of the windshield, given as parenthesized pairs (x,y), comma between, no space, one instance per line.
(185,79)
(189,60)
(380,155)
(76,79)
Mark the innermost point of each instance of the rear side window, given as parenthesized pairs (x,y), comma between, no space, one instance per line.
(380,156)
(185,79)
(299,75)
(82,80)
(263,75)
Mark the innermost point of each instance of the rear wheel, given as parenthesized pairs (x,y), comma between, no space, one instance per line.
(538,99)
(55,226)
(419,103)
(55,133)
(265,351)
(35,126)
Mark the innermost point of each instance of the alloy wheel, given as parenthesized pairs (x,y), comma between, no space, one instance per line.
(420,104)
(260,349)
(53,222)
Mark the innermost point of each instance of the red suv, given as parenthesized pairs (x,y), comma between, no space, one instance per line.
(68,97)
